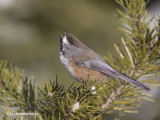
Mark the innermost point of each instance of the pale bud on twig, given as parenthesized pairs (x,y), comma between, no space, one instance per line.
(50,94)
(93,89)
(75,106)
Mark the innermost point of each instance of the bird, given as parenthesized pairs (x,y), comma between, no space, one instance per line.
(82,63)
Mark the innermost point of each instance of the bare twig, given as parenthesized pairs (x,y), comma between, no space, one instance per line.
(112,97)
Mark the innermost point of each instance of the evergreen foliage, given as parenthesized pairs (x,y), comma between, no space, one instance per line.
(138,57)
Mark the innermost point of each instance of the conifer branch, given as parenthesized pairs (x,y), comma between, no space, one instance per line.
(116,93)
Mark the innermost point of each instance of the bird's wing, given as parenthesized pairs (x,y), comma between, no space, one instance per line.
(98,65)
(101,66)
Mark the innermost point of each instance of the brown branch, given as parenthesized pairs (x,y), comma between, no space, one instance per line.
(112,97)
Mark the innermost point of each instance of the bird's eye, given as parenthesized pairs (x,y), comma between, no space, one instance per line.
(70,40)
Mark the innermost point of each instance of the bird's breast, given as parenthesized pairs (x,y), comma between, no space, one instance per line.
(79,72)
(66,62)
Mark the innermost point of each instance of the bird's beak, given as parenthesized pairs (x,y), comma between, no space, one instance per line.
(61,38)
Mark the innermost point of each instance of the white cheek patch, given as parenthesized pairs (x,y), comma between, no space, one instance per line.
(65,41)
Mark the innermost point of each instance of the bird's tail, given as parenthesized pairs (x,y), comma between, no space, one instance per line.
(134,82)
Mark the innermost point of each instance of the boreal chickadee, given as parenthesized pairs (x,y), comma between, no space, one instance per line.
(81,62)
